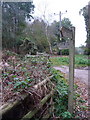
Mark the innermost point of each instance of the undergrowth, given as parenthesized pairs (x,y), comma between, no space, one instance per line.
(19,74)
(61,95)
(60,98)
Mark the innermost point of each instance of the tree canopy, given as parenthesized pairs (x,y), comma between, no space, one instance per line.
(85,11)
(14,15)
(17,30)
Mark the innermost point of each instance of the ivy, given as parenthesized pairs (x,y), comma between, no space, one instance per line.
(61,95)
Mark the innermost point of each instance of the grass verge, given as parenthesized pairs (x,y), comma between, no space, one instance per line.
(80,61)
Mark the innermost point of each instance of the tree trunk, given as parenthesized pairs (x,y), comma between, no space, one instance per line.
(50,48)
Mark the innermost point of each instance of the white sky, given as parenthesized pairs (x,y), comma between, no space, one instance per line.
(72,6)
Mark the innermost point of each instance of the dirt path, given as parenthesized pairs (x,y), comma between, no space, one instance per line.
(82,75)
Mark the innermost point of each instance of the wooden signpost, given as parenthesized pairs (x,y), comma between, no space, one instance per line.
(70,33)
(66,32)
(63,45)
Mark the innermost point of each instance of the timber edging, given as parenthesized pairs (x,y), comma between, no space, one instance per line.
(20,109)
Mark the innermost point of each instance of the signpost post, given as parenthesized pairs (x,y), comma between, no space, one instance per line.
(71,71)
(70,34)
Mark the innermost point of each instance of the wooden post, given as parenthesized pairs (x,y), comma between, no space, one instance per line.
(71,71)
(70,33)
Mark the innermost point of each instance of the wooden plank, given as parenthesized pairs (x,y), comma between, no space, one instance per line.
(66,32)
(71,71)
(7,110)
(30,114)
(43,82)
(9,106)
(63,45)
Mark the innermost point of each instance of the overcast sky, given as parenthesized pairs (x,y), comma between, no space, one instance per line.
(72,6)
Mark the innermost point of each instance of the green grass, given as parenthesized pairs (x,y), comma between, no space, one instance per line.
(80,61)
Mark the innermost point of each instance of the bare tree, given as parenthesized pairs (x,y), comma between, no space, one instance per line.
(43,10)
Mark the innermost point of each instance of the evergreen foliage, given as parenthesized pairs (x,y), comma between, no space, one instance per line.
(14,15)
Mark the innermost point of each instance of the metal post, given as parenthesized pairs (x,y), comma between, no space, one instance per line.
(71,71)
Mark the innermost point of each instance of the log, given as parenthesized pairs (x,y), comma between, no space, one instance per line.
(8,106)
(43,82)
(47,113)
(42,102)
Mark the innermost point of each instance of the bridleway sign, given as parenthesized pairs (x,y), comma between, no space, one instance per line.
(70,34)
(66,33)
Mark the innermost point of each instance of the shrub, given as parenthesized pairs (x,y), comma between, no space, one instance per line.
(64,52)
(87,51)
